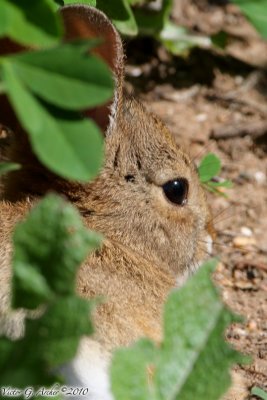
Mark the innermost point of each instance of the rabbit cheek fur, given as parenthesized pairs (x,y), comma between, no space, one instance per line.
(149,241)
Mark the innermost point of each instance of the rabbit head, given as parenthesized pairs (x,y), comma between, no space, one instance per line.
(147,196)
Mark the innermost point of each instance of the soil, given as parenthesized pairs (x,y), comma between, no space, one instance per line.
(216,101)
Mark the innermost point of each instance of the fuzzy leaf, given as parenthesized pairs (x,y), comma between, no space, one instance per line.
(56,335)
(53,242)
(194,324)
(130,372)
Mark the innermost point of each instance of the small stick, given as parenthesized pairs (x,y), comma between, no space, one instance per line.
(227,131)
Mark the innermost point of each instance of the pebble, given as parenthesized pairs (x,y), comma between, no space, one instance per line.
(135,72)
(243,241)
(252,325)
(239,331)
(260,177)
(239,79)
(246,231)
(220,267)
(201,117)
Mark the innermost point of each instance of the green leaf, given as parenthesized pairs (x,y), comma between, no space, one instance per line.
(5,350)
(121,14)
(214,190)
(70,147)
(220,39)
(152,22)
(209,166)
(178,41)
(91,3)
(54,253)
(256,391)
(27,279)
(195,320)
(227,184)
(49,341)
(7,167)
(57,333)
(194,324)
(32,23)
(130,372)
(52,75)
(51,244)
(59,2)
(255,11)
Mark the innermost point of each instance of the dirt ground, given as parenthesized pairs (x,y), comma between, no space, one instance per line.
(216,101)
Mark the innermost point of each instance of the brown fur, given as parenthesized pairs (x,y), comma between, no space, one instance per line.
(148,240)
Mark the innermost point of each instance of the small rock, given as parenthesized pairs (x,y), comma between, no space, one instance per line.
(243,241)
(134,71)
(239,79)
(239,331)
(252,325)
(244,285)
(246,231)
(3,133)
(220,267)
(201,117)
(260,177)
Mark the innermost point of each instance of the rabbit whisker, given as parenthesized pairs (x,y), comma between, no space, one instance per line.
(213,242)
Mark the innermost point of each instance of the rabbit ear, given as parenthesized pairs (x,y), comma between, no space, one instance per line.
(84,22)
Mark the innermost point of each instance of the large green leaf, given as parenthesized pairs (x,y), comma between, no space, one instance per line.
(70,147)
(52,242)
(256,12)
(32,23)
(195,320)
(58,332)
(121,14)
(55,77)
(152,22)
(194,324)
(130,372)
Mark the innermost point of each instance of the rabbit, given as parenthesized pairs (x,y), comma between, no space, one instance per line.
(147,202)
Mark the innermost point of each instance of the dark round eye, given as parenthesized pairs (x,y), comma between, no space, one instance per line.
(176,191)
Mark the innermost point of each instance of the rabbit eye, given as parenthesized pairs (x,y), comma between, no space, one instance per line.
(176,191)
